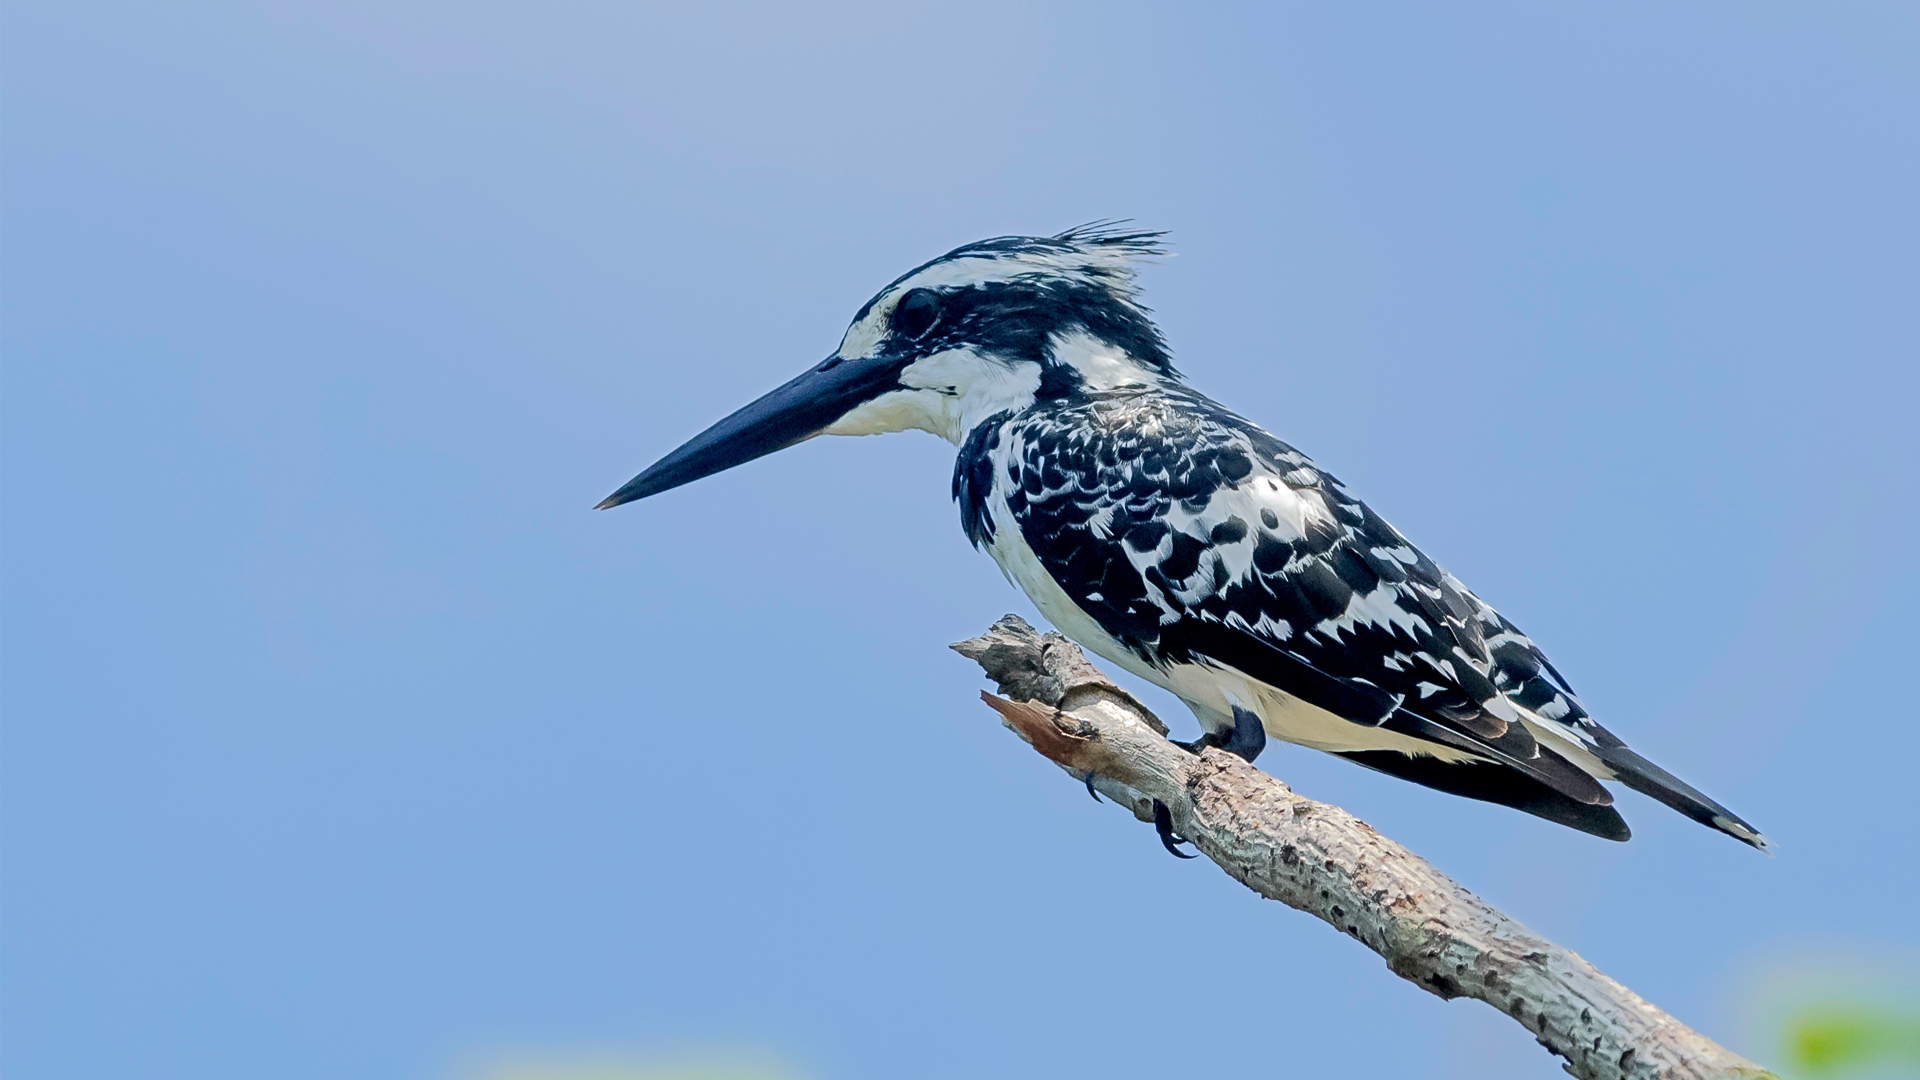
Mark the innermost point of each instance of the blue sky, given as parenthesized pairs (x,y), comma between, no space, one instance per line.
(341,738)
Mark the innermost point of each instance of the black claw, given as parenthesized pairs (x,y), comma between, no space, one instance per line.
(1246,740)
(1206,739)
(1249,735)
(1089,779)
(1163,824)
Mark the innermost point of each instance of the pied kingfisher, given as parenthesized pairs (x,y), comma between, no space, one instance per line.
(1185,543)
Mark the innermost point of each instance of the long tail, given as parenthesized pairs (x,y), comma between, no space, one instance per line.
(1491,781)
(1649,779)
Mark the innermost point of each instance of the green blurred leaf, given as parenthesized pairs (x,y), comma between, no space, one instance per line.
(1834,1039)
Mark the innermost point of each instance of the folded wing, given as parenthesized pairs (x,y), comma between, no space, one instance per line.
(1193,536)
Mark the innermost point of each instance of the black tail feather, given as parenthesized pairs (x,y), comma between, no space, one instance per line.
(1496,783)
(1647,778)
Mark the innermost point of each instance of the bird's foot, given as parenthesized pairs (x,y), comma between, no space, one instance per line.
(1163,824)
(1088,779)
(1245,741)
(1249,735)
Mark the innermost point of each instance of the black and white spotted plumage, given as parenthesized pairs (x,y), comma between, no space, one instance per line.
(1193,537)
(1180,540)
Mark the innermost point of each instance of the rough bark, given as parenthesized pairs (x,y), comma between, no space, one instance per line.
(1326,862)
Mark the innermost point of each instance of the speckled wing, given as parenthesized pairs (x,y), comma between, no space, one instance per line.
(1191,535)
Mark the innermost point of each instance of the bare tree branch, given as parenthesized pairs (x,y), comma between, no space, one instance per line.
(1328,863)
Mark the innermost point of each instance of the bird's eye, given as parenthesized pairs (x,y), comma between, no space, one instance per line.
(917,313)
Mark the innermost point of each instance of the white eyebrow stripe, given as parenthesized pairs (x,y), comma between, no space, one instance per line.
(1109,268)
(866,334)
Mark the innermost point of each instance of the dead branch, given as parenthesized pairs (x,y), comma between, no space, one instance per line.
(1326,862)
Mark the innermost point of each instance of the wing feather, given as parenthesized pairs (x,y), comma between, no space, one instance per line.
(1191,534)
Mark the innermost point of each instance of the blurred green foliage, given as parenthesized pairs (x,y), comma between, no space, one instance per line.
(1839,1039)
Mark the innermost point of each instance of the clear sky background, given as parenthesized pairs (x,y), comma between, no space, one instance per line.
(343,739)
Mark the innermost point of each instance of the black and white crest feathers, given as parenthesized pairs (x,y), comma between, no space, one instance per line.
(1011,297)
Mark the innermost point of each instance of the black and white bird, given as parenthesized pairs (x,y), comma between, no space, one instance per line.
(1186,544)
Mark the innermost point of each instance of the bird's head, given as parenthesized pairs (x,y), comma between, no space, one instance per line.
(991,326)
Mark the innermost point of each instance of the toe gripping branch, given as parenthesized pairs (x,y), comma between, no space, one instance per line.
(1163,824)
(1245,740)
(1045,677)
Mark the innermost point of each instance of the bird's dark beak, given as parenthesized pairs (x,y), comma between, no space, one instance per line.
(793,413)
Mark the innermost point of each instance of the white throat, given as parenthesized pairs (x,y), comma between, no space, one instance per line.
(948,394)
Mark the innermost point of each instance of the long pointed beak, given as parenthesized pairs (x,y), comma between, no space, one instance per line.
(793,413)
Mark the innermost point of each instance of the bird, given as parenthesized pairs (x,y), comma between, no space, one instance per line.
(1184,543)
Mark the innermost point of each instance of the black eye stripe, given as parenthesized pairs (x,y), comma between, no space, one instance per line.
(917,313)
